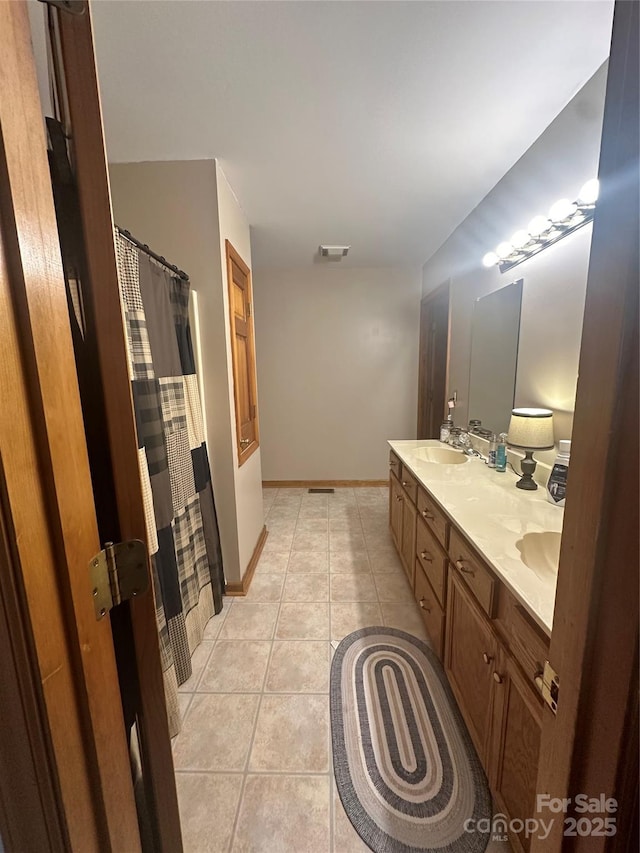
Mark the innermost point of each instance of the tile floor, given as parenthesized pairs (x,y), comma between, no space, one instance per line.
(253,759)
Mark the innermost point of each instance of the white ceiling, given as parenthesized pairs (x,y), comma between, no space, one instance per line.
(376,124)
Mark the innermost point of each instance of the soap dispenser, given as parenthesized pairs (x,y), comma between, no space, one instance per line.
(501,452)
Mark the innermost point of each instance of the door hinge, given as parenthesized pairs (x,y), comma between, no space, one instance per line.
(74,7)
(118,573)
(549,685)
(248,309)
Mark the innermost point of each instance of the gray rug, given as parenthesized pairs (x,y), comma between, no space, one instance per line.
(406,770)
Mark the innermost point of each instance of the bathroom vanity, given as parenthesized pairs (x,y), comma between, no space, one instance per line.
(481,557)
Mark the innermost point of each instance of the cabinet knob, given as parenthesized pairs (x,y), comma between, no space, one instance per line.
(423,605)
(405,483)
(425,555)
(461,566)
(426,514)
(398,497)
(487,658)
(497,678)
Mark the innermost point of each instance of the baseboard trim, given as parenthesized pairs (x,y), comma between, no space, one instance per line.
(322,484)
(242,588)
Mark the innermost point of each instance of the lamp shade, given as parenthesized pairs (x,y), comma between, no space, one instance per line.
(531,429)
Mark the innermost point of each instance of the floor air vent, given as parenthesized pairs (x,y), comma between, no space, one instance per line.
(321,491)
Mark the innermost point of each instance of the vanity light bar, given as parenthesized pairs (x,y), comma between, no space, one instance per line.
(564,218)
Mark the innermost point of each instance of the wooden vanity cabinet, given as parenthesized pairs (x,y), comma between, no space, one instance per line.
(505,699)
(395,509)
(430,609)
(470,658)
(512,763)
(409,539)
(402,521)
(493,653)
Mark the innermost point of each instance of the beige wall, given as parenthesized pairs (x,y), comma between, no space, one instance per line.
(337,352)
(557,164)
(248,478)
(179,210)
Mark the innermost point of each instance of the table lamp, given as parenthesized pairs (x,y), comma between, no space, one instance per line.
(530,429)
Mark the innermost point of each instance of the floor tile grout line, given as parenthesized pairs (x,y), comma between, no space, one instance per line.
(253,734)
(369,548)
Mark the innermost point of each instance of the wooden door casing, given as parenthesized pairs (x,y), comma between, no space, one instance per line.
(243,354)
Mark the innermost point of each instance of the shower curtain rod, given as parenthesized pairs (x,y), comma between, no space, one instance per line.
(161,260)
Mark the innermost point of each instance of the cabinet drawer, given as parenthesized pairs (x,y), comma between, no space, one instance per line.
(432,559)
(477,576)
(394,464)
(409,484)
(430,610)
(433,515)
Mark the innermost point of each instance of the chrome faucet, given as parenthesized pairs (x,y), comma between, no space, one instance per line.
(470,451)
(460,440)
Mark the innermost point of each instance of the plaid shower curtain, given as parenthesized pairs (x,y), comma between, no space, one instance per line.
(182,528)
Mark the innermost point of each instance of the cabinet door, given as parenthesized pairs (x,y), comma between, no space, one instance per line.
(515,743)
(470,655)
(396,500)
(409,538)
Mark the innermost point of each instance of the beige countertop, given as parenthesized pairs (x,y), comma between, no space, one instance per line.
(496,517)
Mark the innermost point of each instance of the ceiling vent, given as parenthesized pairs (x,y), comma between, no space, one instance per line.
(334,251)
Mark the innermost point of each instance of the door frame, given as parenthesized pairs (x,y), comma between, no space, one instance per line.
(594,642)
(436,298)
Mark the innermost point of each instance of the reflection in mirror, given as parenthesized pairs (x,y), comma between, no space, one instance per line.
(494,356)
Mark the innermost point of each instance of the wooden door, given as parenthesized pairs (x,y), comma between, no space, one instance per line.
(90,751)
(470,655)
(588,747)
(243,354)
(61,655)
(137,627)
(512,762)
(433,362)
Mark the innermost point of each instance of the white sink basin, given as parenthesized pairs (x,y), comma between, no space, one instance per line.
(540,551)
(441,455)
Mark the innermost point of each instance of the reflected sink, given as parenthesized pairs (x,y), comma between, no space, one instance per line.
(441,455)
(540,551)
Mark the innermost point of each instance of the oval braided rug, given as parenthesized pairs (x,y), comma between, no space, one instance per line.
(405,767)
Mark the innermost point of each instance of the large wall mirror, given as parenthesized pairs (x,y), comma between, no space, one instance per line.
(494,356)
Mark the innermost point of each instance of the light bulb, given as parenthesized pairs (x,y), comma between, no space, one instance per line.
(589,192)
(520,238)
(490,259)
(562,210)
(538,225)
(504,250)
